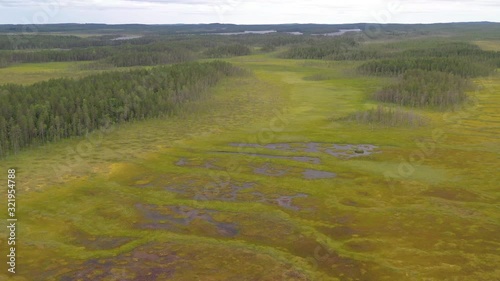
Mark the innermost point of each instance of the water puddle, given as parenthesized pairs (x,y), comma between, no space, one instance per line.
(351,151)
(280,200)
(303,159)
(275,170)
(228,192)
(97,243)
(341,151)
(176,218)
(316,175)
(271,170)
(200,190)
(155,264)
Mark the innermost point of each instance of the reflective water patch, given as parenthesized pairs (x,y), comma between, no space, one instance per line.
(341,151)
(176,218)
(316,175)
(303,159)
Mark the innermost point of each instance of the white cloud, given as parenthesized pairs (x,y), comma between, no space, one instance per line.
(251,11)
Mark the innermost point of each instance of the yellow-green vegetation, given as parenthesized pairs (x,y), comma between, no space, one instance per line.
(387,117)
(196,197)
(489,45)
(29,73)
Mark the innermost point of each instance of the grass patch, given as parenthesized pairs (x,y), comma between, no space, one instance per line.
(318,77)
(29,73)
(489,45)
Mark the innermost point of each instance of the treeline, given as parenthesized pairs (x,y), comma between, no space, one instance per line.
(26,42)
(79,54)
(116,56)
(131,58)
(462,66)
(157,53)
(451,49)
(418,88)
(321,48)
(436,76)
(422,52)
(157,50)
(228,51)
(62,108)
(138,55)
(387,117)
(459,58)
(38,42)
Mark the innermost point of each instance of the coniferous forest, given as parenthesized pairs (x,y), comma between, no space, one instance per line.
(62,108)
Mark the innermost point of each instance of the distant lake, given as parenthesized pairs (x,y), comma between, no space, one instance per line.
(246,32)
(338,33)
(126,38)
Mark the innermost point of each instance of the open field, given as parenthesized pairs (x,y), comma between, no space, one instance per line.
(489,45)
(29,73)
(197,197)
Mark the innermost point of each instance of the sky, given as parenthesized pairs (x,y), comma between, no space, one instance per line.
(246,11)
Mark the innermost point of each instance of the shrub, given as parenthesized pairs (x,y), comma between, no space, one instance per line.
(387,116)
(419,88)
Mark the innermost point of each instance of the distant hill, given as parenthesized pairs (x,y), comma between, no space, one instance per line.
(230,28)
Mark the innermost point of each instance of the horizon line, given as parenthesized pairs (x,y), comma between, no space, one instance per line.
(264,24)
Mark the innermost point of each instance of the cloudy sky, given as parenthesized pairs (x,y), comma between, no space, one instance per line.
(246,11)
